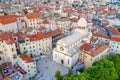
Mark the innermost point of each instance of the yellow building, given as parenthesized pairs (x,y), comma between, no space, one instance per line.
(63,25)
(91,53)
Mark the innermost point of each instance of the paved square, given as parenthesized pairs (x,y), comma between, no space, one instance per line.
(47,69)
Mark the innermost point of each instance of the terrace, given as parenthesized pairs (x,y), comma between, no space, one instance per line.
(8,69)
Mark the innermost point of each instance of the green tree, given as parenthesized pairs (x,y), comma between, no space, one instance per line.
(70,72)
(83,76)
(116,60)
(58,75)
(103,70)
(106,69)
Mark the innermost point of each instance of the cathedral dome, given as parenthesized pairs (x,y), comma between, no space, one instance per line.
(82,22)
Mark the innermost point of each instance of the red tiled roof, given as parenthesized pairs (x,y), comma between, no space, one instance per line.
(101,35)
(7,37)
(115,39)
(93,40)
(9,16)
(74,19)
(95,52)
(86,47)
(33,16)
(53,32)
(26,58)
(45,22)
(10,41)
(8,19)
(40,36)
(114,31)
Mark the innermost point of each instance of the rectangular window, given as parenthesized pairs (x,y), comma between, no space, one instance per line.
(28,70)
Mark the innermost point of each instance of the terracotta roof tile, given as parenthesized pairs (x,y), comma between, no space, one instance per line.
(115,39)
(95,52)
(86,47)
(33,16)
(7,37)
(40,36)
(54,32)
(46,22)
(93,40)
(101,35)
(26,58)
(114,31)
(8,19)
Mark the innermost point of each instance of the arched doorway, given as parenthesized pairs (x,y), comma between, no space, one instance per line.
(62,61)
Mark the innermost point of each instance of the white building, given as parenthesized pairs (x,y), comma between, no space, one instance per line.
(67,49)
(35,45)
(7,49)
(33,20)
(115,45)
(101,38)
(29,65)
(9,23)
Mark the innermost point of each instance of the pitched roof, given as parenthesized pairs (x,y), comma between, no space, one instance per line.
(10,41)
(8,19)
(86,47)
(33,16)
(95,52)
(114,31)
(54,32)
(100,35)
(26,58)
(115,39)
(7,37)
(90,50)
(40,36)
(45,22)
